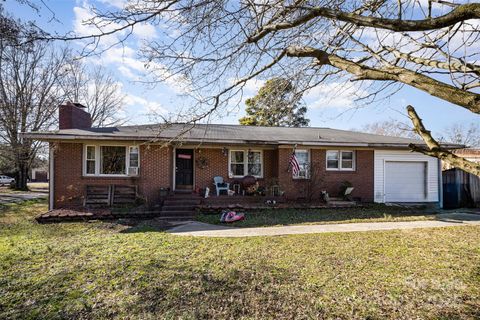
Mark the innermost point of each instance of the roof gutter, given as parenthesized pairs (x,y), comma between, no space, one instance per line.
(73,137)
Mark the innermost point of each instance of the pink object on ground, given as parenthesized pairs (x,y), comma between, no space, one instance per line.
(232,216)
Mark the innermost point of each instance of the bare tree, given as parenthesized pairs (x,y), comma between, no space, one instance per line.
(218,46)
(393,128)
(463,133)
(29,94)
(97,90)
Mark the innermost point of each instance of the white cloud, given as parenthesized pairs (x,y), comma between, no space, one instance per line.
(82,26)
(124,56)
(114,3)
(337,95)
(144,106)
(251,86)
(145,31)
(126,72)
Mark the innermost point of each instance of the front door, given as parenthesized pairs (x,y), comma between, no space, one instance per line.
(183,169)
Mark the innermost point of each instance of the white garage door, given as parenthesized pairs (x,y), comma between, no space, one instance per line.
(405,181)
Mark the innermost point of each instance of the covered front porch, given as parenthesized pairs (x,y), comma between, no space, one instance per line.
(265,171)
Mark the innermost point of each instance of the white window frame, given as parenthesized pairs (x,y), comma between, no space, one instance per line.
(340,168)
(95,160)
(245,163)
(307,173)
(129,148)
(98,162)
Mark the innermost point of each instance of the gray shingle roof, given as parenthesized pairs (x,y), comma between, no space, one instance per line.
(229,134)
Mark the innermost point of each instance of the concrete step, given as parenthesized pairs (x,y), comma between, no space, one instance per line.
(175,218)
(177,213)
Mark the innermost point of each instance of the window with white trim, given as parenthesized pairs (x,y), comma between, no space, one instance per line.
(133,161)
(341,160)
(111,160)
(90,160)
(237,163)
(254,163)
(245,162)
(303,158)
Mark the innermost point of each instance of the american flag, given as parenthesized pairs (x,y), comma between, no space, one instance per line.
(293,164)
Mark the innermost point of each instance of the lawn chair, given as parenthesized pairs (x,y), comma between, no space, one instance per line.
(348,194)
(220,185)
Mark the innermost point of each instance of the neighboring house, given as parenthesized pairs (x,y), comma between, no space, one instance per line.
(380,168)
(39,175)
(469,154)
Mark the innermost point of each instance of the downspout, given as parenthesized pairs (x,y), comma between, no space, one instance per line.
(440,184)
(51,180)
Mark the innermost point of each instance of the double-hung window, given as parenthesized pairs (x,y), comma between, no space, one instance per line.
(246,162)
(254,163)
(303,158)
(111,160)
(341,160)
(237,163)
(90,160)
(133,161)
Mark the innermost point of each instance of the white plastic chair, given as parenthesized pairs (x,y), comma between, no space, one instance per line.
(220,185)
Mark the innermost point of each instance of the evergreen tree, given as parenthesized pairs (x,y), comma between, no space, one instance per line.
(276,104)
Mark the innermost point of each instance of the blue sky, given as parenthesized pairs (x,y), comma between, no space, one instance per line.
(324,110)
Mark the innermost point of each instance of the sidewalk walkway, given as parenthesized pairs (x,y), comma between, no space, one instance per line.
(20,197)
(200,229)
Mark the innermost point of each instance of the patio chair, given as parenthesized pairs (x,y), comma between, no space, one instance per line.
(220,185)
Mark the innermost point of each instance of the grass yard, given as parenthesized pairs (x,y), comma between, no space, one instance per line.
(105,270)
(369,213)
(32,186)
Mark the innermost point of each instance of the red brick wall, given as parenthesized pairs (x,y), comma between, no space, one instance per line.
(218,166)
(270,160)
(73,117)
(156,172)
(156,165)
(69,184)
(361,178)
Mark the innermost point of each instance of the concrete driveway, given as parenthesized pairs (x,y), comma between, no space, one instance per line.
(20,197)
(199,229)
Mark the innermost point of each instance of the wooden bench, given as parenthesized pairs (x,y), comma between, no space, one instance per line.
(123,195)
(109,195)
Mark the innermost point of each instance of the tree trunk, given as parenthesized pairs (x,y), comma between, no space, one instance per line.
(21,176)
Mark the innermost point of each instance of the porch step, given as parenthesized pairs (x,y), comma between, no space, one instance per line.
(186,202)
(170,215)
(183,191)
(179,207)
(177,213)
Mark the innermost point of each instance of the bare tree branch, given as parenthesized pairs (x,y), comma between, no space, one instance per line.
(468,100)
(451,65)
(436,150)
(459,14)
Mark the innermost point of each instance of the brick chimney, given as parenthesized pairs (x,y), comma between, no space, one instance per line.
(73,116)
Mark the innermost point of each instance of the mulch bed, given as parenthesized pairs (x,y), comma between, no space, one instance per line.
(214,208)
(85,214)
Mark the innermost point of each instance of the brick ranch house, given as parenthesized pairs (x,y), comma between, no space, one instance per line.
(151,157)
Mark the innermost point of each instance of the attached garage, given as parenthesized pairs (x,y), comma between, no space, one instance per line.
(405,181)
(404,176)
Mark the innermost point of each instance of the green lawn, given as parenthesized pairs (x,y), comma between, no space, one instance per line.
(368,213)
(104,270)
